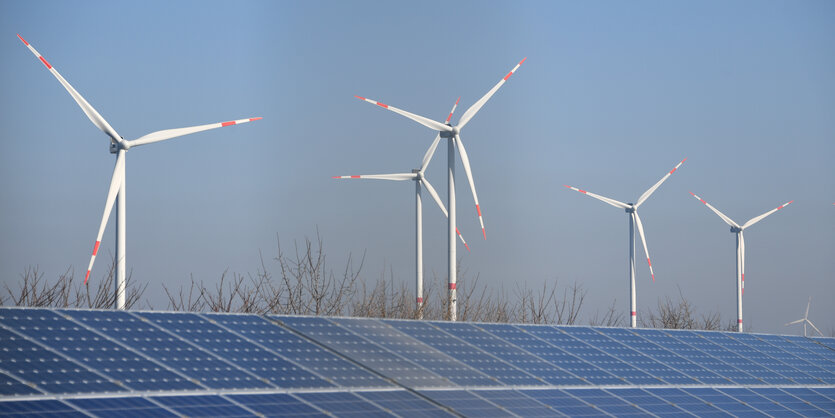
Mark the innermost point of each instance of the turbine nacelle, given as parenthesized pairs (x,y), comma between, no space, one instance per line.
(735,229)
(631,208)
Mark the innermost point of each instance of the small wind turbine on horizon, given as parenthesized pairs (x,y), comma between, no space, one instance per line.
(452,133)
(119,146)
(740,250)
(632,211)
(418,176)
(806,320)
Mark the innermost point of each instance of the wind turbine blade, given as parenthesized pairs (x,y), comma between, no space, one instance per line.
(794,322)
(477,105)
(112,192)
(814,327)
(466,162)
(437,199)
(761,217)
(430,153)
(643,241)
(453,109)
(807,308)
(613,202)
(429,123)
(395,176)
(652,189)
(173,133)
(86,107)
(727,220)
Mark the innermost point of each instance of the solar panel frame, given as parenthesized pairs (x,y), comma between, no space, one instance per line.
(47,408)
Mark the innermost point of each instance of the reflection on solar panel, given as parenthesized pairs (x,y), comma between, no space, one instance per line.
(66,363)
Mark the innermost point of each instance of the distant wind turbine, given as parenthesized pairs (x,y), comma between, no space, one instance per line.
(740,251)
(119,146)
(632,211)
(806,320)
(418,176)
(446,130)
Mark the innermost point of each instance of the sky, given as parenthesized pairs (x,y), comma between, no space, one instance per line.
(611,97)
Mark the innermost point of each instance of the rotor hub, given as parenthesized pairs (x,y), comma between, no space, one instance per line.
(630,209)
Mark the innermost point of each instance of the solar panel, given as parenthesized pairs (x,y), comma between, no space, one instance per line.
(136,364)
(277,405)
(43,408)
(424,355)
(261,363)
(343,404)
(124,407)
(499,370)
(365,352)
(546,372)
(289,345)
(201,367)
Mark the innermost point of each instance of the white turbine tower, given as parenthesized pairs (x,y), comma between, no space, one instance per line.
(418,176)
(740,251)
(446,130)
(805,320)
(119,146)
(632,211)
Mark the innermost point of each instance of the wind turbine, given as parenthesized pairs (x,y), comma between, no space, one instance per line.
(119,146)
(452,132)
(632,211)
(806,320)
(740,250)
(418,176)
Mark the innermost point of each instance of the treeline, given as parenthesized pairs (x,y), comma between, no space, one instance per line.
(302,282)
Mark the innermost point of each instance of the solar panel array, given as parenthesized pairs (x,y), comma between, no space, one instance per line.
(104,363)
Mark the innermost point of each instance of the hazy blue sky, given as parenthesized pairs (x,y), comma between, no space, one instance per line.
(612,96)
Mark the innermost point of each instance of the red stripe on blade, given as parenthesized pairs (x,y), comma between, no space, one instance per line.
(355,177)
(360,97)
(582,191)
(508,76)
(478,209)
(649,262)
(96,247)
(227,123)
(45,63)
(383,105)
(258,118)
(24,40)
(87,277)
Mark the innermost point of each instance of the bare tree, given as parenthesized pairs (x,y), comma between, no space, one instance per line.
(64,292)
(609,318)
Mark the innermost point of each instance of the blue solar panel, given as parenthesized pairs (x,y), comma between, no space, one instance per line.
(547,372)
(343,404)
(201,367)
(11,386)
(694,372)
(404,403)
(44,408)
(72,363)
(416,351)
(202,406)
(365,352)
(499,370)
(277,405)
(125,407)
(611,370)
(660,372)
(466,403)
(516,402)
(829,342)
(48,371)
(563,402)
(289,345)
(811,373)
(97,352)
(261,363)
